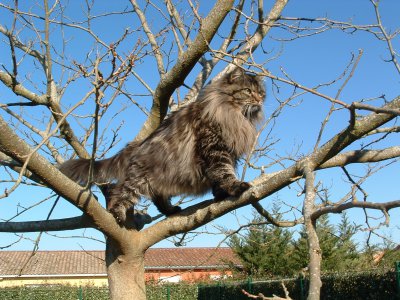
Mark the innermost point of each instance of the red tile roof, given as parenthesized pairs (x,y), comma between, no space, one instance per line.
(14,263)
(189,257)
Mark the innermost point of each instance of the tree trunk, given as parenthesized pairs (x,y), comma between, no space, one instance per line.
(125,273)
(314,249)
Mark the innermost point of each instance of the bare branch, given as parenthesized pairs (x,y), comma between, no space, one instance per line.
(272,220)
(385,130)
(361,156)
(382,206)
(185,63)
(150,36)
(261,296)
(16,148)
(387,38)
(358,105)
(261,31)
(48,225)
(20,90)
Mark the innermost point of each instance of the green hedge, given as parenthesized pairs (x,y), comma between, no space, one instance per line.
(362,286)
(54,292)
(233,291)
(181,291)
(154,292)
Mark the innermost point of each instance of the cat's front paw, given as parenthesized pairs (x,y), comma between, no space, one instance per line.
(239,188)
(234,190)
(219,193)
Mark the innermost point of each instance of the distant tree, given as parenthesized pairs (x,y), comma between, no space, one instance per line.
(339,251)
(264,249)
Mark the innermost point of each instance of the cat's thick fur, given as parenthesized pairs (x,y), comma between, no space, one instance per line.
(193,151)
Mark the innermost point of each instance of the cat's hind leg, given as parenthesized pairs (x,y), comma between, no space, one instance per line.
(121,202)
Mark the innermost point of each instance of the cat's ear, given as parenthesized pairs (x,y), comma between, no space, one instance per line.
(236,74)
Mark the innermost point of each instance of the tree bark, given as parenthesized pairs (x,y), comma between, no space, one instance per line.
(125,270)
(315,252)
(314,248)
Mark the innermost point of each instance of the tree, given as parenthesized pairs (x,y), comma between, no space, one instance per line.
(264,249)
(68,76)
(269,250)
(339,252)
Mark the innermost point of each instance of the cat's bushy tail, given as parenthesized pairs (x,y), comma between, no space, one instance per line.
(104,171)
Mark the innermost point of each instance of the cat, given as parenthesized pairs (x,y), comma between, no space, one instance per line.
(193,151)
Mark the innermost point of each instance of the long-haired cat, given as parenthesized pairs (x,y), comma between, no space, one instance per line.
(194,150)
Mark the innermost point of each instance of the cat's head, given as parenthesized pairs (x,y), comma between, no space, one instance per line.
(246,90)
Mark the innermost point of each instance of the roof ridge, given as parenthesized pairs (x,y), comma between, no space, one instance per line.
(30,251)
(94,250)
(226,247)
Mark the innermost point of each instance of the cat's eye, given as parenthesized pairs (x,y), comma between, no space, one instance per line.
(247,91)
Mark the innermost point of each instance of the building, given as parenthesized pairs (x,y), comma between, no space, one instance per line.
(19,268)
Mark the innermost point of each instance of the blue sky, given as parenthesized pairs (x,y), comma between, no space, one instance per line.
(311,61)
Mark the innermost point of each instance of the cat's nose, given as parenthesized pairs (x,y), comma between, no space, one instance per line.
(259,98)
